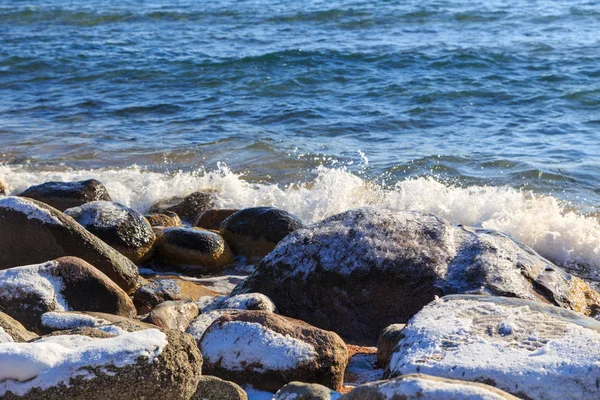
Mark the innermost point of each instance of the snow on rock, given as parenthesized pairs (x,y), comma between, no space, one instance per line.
(55,360)
(526,348)
(5,337)
(61,321)
(201,323)
(246,301)
(30,209)
(359,271)
(100,214)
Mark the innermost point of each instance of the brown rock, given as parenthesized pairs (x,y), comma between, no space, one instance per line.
(67,283)
(14,329)
(168,219)
(213,388)
(33,232)
(267,351)
(2,189)
(386,342)
(63,195)
(175,315)
(212,219)
(254,232)
(188,208)
(303,391)
(165,288)
(192,250)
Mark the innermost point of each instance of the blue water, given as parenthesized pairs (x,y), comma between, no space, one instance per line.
(472,92)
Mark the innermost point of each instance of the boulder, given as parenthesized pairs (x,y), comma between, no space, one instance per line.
(145,364)
(529,349)
(386,342)
(424,387)
(248,301)
(53,321)
(304,391)
(364,269)
(193,250)
(123,228)
(213,388)
(12,330)
(3,190)
(168,219)
(267,351)
(212,219)
(63,195)
(254,232)
(188,207)
(205,319)
(165,288)
(33,232)
(177,315)
(67,283)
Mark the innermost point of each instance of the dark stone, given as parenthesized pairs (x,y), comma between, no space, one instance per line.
(188,208)
(63,195)
(212,219)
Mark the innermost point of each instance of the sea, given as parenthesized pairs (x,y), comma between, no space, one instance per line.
(486,113)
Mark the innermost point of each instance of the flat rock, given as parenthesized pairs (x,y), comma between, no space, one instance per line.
(63,195)
(177,315)
(67,283)
(189,208)
(424,387)
(33,232)
(254,232)
(359,271)
(305,391)
(212,219)
(529,349)
(12,330)
(121,227)
(168,219)
(267,351)
(213,388)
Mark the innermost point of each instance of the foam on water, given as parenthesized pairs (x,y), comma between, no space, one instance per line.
(548,225)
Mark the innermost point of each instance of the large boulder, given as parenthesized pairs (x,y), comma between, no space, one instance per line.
(247,301)
(213,388)
(424,387)
(12,330)
(63,195)
(64,284)
(33,232)
(527,348)
(189,208)
(121,227)
(254,232)
(145,364)
(362,270)
(267,351)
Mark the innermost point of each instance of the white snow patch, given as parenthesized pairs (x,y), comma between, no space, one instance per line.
(55,360)
(30,209)
(246,301)
(414,387)
(201,323)
(99,214)
(240,345)
(58,320)
(5,337)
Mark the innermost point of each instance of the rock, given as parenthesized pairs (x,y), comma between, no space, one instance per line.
(168,219)
(362,270)
(73,321)
(248,301)
(3,190)
(193,250)
(304,391)
(63,195)
(386,342)
(12,330)
(65,284)
(212,219)
(254,232)
(205,319)
(424,387)
(267,351)
(123,228)
(177,315)
(188,208)
(168,288)
(146,364)
(33,232)
(527,348)
(213,388)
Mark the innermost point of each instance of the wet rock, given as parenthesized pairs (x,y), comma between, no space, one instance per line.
(177,315)
(254,232)
(386,342)
(193,250)
(188,207)
(12,330)
(168,288)
(33,232)
(63,195)
(527,348)
(146,364)
(168,219)
(123,228)
(212,219)
(213,388)
(267,351)
(362,270)
(424,387)
(304,391)
(67,283)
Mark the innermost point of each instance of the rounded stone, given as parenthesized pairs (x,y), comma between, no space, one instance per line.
(168,219)
(63,195)
(188,208)
(212,219)
(213,388)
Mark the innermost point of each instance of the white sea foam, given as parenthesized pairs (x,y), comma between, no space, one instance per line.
(542,222)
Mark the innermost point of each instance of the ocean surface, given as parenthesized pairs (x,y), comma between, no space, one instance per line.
(484,112)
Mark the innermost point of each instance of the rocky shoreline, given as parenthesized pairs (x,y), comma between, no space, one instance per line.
(100,301)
